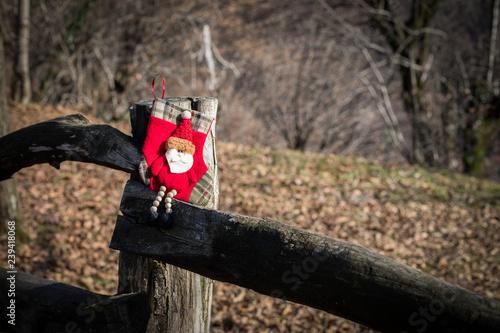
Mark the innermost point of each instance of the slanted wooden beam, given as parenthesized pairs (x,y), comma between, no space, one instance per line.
(67,138)
(282,261)
(40,305)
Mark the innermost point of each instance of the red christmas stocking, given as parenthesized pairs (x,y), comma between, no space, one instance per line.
(173,153)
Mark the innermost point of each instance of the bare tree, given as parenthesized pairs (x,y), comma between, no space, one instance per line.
(376,87)
(22,91)
(304,95)
(410,43)
(9,202)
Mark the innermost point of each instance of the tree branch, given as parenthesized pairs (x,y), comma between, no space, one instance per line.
(493,42)
(68,138)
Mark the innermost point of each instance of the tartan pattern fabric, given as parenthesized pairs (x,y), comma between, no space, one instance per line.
(203,190)
(170,112)
(143,171)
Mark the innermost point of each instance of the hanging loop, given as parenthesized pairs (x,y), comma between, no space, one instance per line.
(153,86)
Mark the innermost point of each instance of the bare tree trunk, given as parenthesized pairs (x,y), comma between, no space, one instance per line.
(410,43)
(483,108)
(384,105)
(22,91)
(9,203)
(180,300)
(493,43)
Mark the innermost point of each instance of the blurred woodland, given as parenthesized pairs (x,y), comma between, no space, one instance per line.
(398,81)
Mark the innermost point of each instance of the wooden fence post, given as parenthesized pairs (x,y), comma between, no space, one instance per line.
(180,300)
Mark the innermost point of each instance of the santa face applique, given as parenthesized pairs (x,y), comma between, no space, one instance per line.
(180,149)
(179,161)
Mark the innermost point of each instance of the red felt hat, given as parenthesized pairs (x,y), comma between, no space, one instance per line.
(182,137)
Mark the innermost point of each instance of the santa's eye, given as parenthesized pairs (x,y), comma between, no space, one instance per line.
(181,151)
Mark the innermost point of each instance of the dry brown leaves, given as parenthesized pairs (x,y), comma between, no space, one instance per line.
(446,225)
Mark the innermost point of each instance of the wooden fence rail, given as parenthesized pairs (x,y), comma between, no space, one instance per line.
(265,255)
(42,305)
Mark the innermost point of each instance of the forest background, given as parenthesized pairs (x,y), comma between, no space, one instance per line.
(396,81)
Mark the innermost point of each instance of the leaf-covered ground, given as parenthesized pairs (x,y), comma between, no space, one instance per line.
(444,224)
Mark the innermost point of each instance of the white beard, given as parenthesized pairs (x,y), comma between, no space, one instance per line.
(179,162)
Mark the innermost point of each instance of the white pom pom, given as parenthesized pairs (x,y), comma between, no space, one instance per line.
(186,115)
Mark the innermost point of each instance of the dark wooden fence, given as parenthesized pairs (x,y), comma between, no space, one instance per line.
(270,257)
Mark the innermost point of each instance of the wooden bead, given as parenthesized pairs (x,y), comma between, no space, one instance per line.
(170,195)
(168,205)
(156,203)
(154,209)
(158,198)
(168,199)
(163,188)
(161,193)
(174,192)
